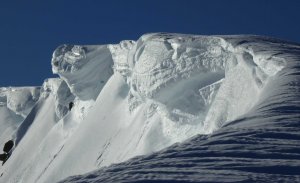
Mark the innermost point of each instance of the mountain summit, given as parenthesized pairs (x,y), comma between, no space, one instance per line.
(167,107)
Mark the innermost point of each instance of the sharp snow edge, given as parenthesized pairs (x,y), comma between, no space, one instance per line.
(135,98)
(262,145)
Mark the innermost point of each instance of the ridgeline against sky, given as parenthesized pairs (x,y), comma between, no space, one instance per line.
(31,30)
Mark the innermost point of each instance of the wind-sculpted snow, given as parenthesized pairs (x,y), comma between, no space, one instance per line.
(137,98)
(173,71)
(260,146)
(20,99)
(84,68)
(249,150)
(62,93)
(15,105)
(120,54)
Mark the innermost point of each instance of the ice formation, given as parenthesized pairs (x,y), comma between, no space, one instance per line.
(15,104)
(84,68)
(136,98)
(261,145)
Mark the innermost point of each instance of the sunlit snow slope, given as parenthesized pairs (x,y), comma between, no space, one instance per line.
(15,104)
(241,93)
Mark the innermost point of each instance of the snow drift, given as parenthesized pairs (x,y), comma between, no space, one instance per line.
(137,98)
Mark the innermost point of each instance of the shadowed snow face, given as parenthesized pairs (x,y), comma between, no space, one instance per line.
(84,68)
(161,62)
(201,80)
(20,99)
(184,85)
(179,74)
(68,58)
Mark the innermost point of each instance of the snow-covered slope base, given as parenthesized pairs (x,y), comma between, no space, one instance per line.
(136,98)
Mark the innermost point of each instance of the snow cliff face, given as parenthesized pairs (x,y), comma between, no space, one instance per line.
(15,104)
(260,146)
(136,98)
(20,100)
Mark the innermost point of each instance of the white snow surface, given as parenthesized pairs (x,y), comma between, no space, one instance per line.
(15,104)
(232,100)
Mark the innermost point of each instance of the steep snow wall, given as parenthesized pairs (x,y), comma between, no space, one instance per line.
(84,68)
(260,146)
(135,98)
(15,104)
(20,99)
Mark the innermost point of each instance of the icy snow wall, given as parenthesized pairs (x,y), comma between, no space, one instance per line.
(260,146)
(135,98)
(15,104)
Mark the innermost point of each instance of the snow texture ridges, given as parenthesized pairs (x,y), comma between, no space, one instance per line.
(231,101)
(260,146)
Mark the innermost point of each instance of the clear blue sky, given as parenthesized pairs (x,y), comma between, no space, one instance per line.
(30,30)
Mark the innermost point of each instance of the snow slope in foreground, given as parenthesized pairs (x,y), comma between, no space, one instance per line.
(136,98)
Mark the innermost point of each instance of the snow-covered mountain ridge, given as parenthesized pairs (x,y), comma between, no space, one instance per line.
(136,98)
